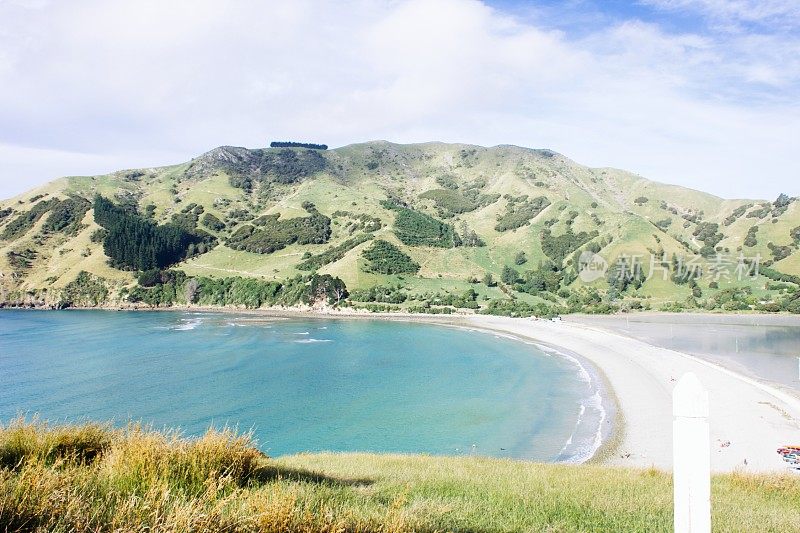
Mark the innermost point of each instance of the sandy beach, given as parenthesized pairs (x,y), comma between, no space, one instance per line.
(748,419)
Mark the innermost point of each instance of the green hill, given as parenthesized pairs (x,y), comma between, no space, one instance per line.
(425,227)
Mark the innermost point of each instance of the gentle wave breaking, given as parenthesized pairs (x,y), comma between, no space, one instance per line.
(593,404)
(188,324)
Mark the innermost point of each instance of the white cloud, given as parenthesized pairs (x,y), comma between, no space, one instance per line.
(135,82)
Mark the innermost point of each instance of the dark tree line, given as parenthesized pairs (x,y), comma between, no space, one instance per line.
(134,243)
(292,144)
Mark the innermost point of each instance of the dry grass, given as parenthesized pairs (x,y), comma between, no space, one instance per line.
(97,478)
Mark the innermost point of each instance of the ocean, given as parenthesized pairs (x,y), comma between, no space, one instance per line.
(300,385)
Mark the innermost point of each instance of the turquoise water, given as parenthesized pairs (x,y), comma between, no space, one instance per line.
(299,385)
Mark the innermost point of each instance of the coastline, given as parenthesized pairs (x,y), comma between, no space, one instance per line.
(611,423)
(748,419)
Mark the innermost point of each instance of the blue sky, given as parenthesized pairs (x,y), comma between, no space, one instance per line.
(582,16)
(701,93)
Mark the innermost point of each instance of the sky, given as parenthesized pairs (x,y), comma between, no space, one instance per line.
(700,93)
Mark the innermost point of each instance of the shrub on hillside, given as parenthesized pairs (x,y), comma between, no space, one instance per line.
(385,258)
(85,290)
(449,200)
(169,287)
(736,213)
(509,276)
(779,252)
(333,254)
(283,166)
(380,294)
(66,216)
(795,235)
(520,211)
(25,221)
(664,223)
(517,308)
(708,233)
(269,233)
(212,222)
(750,240)
(559,247)
(761,212)
(418,229)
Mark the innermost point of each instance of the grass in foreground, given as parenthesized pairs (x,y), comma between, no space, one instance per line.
(95,478)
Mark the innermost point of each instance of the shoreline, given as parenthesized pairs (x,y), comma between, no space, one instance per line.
(749,420)
(611,423)
(778,318)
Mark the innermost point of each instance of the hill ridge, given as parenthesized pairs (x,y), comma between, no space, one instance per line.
(522,215)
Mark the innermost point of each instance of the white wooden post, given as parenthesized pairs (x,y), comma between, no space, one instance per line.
(691,447)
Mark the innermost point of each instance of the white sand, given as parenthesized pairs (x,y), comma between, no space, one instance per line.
(755,418)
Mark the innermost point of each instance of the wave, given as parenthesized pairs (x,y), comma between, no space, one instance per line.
(188,324)
(575,429)
(245,325)
(310,341)
(301,333)
(591,404)
(583,374)
(589,447)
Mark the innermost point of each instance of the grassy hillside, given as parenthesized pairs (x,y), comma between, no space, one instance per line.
(460,212)
(93,478)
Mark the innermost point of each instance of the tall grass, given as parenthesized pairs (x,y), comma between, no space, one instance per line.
(98,478)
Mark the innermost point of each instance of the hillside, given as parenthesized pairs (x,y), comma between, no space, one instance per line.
(94,478)
(428,227)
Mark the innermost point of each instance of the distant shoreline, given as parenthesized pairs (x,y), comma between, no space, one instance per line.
(776,319)
(783,316)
